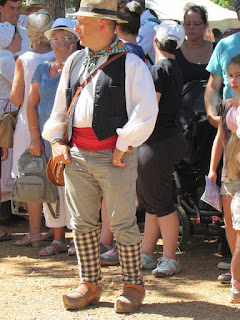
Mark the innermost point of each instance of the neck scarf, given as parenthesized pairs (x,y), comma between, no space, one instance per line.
(92,57)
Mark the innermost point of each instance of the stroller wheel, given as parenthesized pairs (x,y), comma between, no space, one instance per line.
(184,227)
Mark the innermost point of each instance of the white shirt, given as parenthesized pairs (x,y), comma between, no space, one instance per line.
(146,35)
(141,104)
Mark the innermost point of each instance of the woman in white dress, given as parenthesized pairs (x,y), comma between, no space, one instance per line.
(26,65)
(10,44)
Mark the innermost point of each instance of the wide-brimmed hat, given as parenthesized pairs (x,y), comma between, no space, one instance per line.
(41,4)
(61,24)
(170,30)
(105,9)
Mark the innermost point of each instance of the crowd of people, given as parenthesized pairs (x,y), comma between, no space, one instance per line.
(123,140)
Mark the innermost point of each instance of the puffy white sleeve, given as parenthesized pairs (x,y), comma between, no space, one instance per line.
(141,104)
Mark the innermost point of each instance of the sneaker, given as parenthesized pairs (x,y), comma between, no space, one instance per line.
(234,296)
(111,257)
(166,267)
(148,262)
(224,265)
(225,278)
(104,248)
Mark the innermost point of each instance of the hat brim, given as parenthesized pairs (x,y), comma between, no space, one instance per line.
(96,15)
(24,9)
(49,32)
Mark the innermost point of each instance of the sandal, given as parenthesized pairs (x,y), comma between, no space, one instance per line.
(60,247)
(7,236)
(72,249)
(48,236)
(27,241)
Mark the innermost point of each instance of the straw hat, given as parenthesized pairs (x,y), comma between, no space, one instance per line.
(40,4)
(105,9)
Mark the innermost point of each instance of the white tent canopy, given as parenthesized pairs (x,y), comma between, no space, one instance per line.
(218,17)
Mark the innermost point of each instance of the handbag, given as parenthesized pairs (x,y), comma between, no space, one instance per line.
(7,126)
(32,185)
(55,170)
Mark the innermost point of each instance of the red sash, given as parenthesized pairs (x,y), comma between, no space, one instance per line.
(85,138)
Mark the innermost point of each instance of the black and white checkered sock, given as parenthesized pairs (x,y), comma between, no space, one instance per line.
(88,255)
(130,261)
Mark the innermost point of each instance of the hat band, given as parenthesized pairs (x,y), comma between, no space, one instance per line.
(96,10)
(60,26)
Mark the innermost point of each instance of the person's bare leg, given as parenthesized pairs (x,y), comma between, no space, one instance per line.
(106,237)
(34,235)
(151,234)
(169,226)
(236,260)
(59,234)
(35,214)
(230,232)
(235,270)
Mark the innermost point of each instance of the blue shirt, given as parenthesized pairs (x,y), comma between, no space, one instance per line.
(47,91)
(225,50)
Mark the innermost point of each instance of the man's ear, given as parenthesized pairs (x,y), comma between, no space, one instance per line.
(102,25)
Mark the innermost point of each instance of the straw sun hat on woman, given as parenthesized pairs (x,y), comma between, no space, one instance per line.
(35,4)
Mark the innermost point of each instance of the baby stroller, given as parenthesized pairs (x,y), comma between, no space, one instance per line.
(189,177)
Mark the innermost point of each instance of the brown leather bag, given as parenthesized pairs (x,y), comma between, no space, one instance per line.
(7,126)
(55,170)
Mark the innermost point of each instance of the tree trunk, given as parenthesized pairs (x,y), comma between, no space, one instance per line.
(77,4)
(68,3)
(58,6)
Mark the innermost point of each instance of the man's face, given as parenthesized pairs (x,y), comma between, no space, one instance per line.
(10,12)
(88,32)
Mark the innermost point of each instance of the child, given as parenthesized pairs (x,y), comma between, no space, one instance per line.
(233,149)
(232,184)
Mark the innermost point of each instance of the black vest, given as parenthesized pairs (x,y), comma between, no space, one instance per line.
(109,110)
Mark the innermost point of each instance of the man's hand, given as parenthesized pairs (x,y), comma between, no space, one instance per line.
(117,158)
(60,152)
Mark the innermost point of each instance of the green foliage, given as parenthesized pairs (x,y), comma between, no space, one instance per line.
(225,3)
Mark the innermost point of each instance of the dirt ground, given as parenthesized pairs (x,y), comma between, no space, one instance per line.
(31,288)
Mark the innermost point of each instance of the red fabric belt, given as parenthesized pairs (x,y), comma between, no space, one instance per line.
(85,138)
